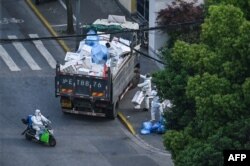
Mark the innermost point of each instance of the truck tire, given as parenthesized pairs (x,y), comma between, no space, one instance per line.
(112,114)
(37,2)
(65,113)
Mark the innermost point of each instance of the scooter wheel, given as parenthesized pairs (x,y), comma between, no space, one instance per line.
(52,141)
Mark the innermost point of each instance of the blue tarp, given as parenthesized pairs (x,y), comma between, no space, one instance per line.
(156,127)
(99,54)
(92,38)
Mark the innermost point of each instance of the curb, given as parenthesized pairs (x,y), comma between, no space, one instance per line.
(126,123)
(47,25)
(66,49)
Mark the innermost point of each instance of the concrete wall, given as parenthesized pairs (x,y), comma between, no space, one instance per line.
(157,38)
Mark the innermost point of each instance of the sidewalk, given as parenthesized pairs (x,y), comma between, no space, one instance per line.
(53,15)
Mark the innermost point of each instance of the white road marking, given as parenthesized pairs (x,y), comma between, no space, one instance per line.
(24,53)
(41,48)
(8,60)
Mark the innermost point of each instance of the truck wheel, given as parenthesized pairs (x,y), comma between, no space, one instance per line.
(37,2)
(65,113)
(112,114)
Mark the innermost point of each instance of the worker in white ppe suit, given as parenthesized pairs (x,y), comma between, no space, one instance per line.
(37,122)
(156,106)
(145,92)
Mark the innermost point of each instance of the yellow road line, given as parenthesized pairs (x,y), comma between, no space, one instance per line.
(47,25)
(126,122)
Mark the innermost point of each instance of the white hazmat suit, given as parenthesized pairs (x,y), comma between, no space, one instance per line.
(156,106)
(145,92)
(37,122)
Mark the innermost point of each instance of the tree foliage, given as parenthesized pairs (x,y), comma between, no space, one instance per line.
(209,85)
(180,12)
(244,5)
(183,20)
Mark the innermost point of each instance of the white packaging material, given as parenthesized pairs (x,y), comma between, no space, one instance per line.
(130,25)
(103,42)
(92,73)
(81,44)
(115,43)
(138,98)
(67,64)
(116,47)
(119,61)
(125,47)
(103,37)
(108,62)
(120,48)
(112,51)
(87,63)
(68,67)
(116,19)
(126,42)
(77,64)
(73,56)
(97,68)
(73,62)
(80,62)
(115,39)
(85,50)
(82,70)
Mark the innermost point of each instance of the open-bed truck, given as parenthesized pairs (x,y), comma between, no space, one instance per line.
(95,95)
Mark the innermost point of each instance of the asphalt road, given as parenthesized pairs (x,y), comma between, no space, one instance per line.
(27,83)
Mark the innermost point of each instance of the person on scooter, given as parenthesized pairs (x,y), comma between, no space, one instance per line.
(37,122)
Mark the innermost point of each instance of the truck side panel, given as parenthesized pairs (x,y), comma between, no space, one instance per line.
(124,76)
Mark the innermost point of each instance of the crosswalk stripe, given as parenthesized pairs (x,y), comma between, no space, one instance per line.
(41,48)
(8,60)
(24,53)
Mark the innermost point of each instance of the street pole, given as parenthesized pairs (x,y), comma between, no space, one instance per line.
(77,22)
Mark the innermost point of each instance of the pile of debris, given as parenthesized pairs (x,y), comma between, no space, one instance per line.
(98,51)
(92,59)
